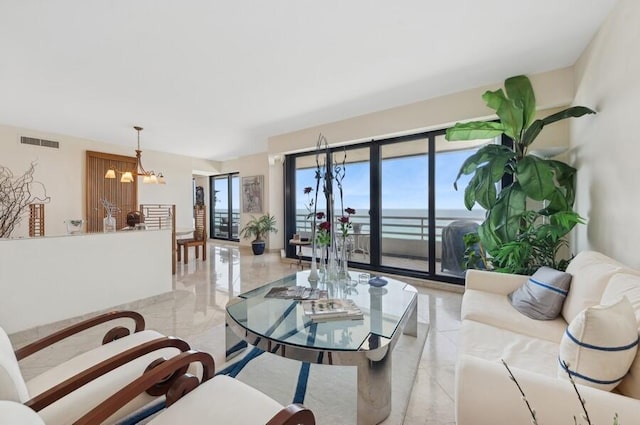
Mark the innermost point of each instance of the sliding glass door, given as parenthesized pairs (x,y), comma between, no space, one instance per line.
(352,200)
(398,194)
(405,205)
(225,211)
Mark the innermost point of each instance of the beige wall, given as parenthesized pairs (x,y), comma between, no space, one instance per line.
(606,147)
(62,171)
(256,165)
(552,89)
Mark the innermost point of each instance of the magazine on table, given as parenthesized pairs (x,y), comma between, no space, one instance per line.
(296,293)
(331,309)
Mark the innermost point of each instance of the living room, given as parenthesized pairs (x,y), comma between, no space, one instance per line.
(601,75)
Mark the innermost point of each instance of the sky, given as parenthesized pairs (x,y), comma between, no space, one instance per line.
(404,183)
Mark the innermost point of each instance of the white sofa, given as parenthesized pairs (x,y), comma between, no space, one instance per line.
(493,330)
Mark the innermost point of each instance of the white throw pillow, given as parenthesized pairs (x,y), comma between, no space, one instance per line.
(627,285)
(599,345)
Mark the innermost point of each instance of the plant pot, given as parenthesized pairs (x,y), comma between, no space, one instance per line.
(258,247)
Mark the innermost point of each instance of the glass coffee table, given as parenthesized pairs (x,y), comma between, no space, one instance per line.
(280,326)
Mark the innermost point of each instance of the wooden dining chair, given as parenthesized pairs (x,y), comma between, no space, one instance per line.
(199,238)
(162,216)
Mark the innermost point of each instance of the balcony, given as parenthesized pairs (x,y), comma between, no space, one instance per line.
(404,241)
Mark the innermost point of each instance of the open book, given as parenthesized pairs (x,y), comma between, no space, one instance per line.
(331,309)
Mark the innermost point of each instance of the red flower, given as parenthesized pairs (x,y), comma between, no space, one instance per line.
(344,219)
(350,211)
(325,225)
(320,215)
(308,190)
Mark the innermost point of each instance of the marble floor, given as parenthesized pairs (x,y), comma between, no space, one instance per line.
(202,289)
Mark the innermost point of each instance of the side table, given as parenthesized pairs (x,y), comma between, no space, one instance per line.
(299,244)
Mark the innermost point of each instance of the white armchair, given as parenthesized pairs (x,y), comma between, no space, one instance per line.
(65,392)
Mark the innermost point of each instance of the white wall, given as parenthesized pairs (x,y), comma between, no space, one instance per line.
(606,147)
(62,171)
(44,280)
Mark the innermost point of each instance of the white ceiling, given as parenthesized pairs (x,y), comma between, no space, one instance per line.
(213,79)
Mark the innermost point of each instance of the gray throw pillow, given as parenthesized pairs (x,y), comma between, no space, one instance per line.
(542,296)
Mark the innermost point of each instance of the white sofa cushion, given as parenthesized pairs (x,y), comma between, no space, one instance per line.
(486,396)
(591,272)
(77,364)
(73,406)
(12,385)
(13,413)
(543,294)
(627,285)
(220,400)
(493,344)
(599,345)
(495,309)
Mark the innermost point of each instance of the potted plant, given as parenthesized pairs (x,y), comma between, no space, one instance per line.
(515,238)
(259,227)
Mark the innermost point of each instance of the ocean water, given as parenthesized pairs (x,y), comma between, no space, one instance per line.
(407,223)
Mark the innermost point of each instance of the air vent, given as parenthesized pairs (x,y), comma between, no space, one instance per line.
(39,142)
(30,141)
(50,144)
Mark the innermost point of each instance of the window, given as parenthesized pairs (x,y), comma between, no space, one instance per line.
(410,219)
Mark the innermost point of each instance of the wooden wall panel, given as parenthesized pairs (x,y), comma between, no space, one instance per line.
(122,195)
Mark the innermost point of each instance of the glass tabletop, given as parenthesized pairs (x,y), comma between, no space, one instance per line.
(283,320)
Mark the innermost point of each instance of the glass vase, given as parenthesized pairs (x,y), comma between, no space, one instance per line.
(343,264)
(332,261)
(313,273)
(323,260)
(109,224)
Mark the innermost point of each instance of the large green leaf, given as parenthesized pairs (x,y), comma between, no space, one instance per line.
(556,202)
(474,130)
(483,187)
(497,154)
(489,239)
(506,215)
(532,132)
(536,126)
(536,178)
(494,99)
(572,112)
(510,114)
(469,197)
(520,91)
(566,177)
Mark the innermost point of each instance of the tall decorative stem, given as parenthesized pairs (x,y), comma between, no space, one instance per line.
(343,273)
(313,274)
(332,265)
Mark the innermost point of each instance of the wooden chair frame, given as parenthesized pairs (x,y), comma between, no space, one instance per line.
(293,414)
(64,388)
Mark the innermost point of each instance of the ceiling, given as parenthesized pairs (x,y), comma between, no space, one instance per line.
(214,79)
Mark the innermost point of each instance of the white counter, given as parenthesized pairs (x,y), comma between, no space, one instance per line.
(43,280)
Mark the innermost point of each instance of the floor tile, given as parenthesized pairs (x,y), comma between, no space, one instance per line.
(194,311)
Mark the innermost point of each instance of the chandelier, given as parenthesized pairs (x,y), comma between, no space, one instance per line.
(127,176)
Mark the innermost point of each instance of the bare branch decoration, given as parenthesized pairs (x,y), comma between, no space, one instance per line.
(16,193)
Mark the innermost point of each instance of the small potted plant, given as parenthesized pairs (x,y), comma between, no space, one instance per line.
(259,227)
